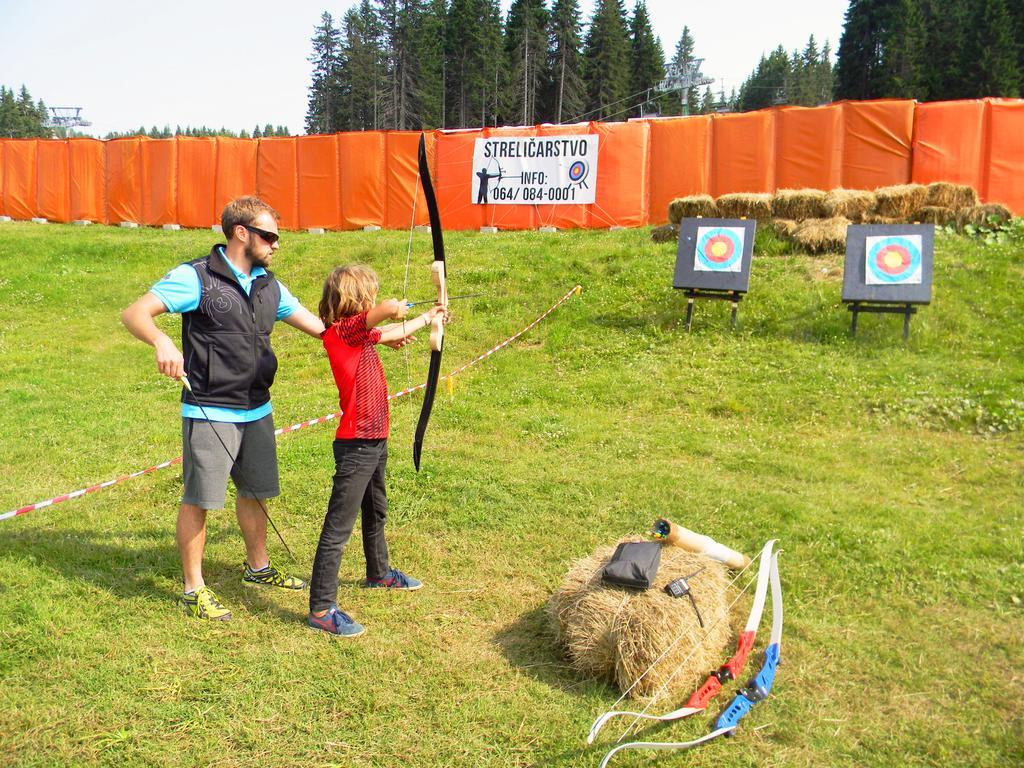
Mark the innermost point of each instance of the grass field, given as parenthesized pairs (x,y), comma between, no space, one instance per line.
(892,473)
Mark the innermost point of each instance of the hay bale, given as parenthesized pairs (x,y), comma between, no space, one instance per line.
(616,634)
(799,204)
(935,214)
(852,204)
(982,215)
(900,201)
(668,233)
(947,195)
(874,218)
(784,227)
(822,235)
(755,206)
(691,207)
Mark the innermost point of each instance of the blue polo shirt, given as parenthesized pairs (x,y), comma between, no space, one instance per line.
(179,291)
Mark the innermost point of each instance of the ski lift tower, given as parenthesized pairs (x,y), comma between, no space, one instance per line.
(683,78)
(63,118)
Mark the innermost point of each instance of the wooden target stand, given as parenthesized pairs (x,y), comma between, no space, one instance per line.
(897,298)
(696,280)
(692,294)
(890,309)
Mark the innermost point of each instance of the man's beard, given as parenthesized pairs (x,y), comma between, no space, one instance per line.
(255,258)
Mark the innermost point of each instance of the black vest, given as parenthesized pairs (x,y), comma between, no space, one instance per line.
(226,339)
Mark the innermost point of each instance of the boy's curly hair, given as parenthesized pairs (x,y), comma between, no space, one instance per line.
(348,291)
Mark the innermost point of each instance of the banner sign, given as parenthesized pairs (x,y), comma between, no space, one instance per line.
(535,170)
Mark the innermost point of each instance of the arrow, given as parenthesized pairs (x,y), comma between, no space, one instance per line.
(450,298)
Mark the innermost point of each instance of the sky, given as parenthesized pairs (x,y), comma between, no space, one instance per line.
(239,64)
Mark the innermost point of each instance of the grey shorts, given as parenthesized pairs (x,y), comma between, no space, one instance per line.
(252,462)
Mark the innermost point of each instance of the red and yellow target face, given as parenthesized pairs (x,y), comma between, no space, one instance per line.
(893,260)
(719,249)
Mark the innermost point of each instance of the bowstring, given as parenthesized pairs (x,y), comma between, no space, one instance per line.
(405,284)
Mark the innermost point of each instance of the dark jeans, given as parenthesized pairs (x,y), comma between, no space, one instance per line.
(358,483)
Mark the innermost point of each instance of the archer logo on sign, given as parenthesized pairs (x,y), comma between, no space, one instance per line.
(535,170)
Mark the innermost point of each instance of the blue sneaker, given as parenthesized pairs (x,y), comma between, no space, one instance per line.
(335,622)
(394,579)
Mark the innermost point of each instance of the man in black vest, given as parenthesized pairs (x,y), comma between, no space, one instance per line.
(229,302)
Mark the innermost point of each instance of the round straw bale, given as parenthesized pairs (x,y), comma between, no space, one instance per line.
(935,214)
(948,195)
(900,201)
(799,204)
(984,215)
(618,634)
(668,233)
(853,204)
(744,205)
(822,235)
(784,227)
(691,207)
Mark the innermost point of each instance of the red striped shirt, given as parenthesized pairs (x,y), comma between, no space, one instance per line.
(362,388)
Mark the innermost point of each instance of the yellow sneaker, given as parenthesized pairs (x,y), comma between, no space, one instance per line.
(272,576)
(204,604)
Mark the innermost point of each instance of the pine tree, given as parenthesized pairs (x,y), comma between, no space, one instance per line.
(904,51)
(944,65)
(766,86)
(882,50)
(825,76)
(647,60)
(707,102)
(325,101)
(606,62)
(400,22)
(993,67)
(526,28)
(1016,11)
(474,62)
(683,59)
(860,50)
(568,92)
(430,52)
(362,68)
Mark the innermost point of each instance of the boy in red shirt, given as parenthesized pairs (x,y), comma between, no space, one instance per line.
(350,313)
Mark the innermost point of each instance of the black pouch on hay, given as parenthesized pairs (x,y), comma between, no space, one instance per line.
(634,564)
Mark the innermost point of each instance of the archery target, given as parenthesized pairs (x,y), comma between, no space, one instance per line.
(893,260)
(578,171)
(719,249)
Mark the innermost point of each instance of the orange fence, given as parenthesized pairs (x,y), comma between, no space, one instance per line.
(351,180)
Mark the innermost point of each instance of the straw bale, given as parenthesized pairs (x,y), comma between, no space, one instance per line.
(948,195)
(874,218)
(853,204)
(822,235)
(691,207)
(668,233)
(616,634)
(756,206)
(799,204)
(900,201)
(936,214)
(784,227)
(980,215)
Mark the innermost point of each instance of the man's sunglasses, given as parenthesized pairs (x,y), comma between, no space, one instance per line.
(270,237)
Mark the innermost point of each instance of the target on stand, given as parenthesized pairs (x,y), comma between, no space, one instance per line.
(893,260)
(719,249)
(578,172)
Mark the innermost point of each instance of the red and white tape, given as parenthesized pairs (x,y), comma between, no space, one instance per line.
(282,430)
